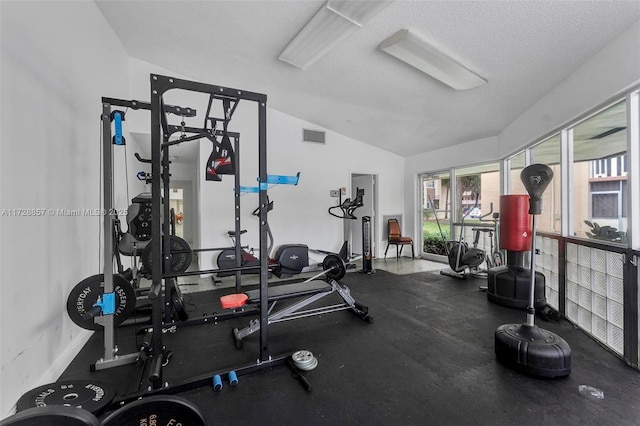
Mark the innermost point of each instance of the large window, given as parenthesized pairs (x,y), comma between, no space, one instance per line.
(590,267)
(477,191)
(436,214)
(599,176)
(516,164)
(548,152)
(477,199)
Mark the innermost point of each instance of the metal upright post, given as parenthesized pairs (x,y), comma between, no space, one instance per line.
(166,231)
(237,210)
(631,256)
(110,357)
(156,253)
(264,257)
(107,170)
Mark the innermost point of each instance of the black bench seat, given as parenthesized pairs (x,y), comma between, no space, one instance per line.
(289,291)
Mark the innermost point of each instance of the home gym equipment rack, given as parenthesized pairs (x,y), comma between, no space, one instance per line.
(107,301)
(156,399)
(163,278)
(106,319)
(239,190)
(159,141)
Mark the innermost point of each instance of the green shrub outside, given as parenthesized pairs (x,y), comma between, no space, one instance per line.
(432,239)
(433,244)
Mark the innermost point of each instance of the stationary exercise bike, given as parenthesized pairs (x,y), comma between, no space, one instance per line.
(494,257)
(227,257)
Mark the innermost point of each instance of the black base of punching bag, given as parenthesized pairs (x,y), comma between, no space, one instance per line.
(532,350)
(509,286)
(526,347)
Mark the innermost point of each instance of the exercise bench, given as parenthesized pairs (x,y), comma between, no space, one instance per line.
(310,290)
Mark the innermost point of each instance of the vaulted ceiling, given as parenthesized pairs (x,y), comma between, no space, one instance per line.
(523,48)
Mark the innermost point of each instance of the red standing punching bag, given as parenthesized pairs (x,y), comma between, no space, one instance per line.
(515,223)
(509,284)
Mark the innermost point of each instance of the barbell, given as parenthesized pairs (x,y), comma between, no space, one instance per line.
(334,267)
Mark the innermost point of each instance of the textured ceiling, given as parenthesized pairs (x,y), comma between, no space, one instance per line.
(523,49)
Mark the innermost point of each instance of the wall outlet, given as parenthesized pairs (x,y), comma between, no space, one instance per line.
(334,193)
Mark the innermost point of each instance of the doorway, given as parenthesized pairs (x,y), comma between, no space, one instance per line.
(369,183)
(176,203)
(181,201)
(436,214)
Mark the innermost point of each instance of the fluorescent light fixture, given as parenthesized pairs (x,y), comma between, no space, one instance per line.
(357,11)
(415,52)
(333,23)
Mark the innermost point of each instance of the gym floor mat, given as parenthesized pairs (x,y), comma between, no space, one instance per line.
(428,358)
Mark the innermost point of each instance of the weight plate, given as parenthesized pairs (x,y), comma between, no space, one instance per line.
(180,259)
(308,367)
(156,410)
(178,303)
(304,360)
(52,416)
(302,356)
(86,292)
(334,267)
(90,396)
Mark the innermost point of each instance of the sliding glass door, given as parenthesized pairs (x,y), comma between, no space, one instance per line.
(436,213)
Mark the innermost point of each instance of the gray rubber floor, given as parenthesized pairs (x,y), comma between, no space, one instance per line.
(428,358)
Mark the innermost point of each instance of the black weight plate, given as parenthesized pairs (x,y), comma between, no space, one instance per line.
(159,410)
(86,292)
(181,255)
(334,267)
(178,303)
(180,262)
(140,224)
(52,416)
(90,396)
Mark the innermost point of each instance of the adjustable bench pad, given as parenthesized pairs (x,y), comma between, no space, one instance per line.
(288,291)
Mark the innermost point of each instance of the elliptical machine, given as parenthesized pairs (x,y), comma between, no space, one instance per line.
(347,208)
(463,259)
(292,259)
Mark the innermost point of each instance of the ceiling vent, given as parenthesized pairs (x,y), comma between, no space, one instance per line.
(315,136)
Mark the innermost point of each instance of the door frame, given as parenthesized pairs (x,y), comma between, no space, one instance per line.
(369,208)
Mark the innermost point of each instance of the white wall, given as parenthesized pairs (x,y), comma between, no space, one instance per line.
(609,72)
(58,59)
(300,212)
